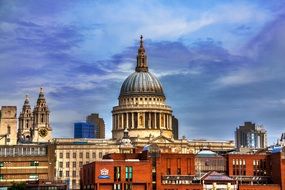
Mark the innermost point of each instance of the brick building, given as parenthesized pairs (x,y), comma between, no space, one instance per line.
(166,171)
(118,171)
(21,163)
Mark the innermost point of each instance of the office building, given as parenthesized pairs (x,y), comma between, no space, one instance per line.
(251,135)
(99,124)
(27,162)
(175,127)
(84,130)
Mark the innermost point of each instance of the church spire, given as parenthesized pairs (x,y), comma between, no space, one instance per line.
(141,58)
(27,101)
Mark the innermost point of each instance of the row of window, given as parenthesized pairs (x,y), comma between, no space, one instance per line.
(127,186)
(238,161)
(129,173)
(141,99)
(74,164)
(176,181)
(178,166)
(67,173)
(32,163)
(87,155)
(23,151)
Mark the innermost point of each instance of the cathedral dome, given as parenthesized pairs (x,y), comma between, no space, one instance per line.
(141,83)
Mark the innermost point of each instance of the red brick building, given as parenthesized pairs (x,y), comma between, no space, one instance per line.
(151,170)
(118,171)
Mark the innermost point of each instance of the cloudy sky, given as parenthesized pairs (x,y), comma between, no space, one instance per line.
(220,62)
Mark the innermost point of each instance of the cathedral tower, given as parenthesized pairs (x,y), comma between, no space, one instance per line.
(142,108)
(25,130)
(42,129)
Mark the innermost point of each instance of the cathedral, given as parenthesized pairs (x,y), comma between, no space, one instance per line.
(34,125)
(142,108)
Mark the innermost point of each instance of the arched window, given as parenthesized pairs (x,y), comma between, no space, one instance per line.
(9,129)
(42,118)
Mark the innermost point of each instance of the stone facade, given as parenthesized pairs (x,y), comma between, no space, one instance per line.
(8,125)
(142,108)
(71,154)
(35,126)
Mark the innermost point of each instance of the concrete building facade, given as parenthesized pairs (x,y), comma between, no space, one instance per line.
(251,135)
(99,124)
(29,162)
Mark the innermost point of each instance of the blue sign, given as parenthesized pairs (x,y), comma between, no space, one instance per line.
(104,174)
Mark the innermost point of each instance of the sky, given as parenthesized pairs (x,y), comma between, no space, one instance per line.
(221,63)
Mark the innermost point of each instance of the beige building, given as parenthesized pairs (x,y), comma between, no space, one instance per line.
(72,153)
(8,125)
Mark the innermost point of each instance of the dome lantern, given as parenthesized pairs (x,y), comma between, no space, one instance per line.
(141,58)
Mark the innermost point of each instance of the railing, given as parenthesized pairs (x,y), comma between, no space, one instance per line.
(141,106)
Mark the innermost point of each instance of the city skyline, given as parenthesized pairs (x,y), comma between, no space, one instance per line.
(226,58)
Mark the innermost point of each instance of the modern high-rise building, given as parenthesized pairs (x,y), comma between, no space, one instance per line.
(99,124)
(175,127)
(251,135)
(84,130)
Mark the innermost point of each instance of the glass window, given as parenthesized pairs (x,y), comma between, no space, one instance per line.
(100,154)
(117,173)
(60,173)
(117,186)
(74,155)
(67,155)
(81,155)
(67,173)
(74,173)
(128,186)
(129,173)
(67,164)
(87,154)
(93,154)
(60,164)
(80,164)
(74,164)
(60,155)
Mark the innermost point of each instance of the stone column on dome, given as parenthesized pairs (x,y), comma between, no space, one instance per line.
(133,122)
(122,121)
(149,120)
(116,120)
(166,121)
(155,122)
(170,118)
(159,120)
(127,121)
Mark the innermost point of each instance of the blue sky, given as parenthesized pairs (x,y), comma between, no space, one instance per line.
(220,62)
